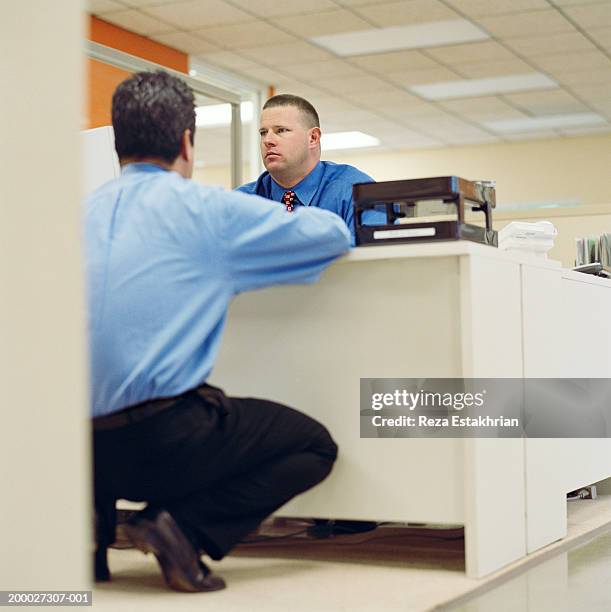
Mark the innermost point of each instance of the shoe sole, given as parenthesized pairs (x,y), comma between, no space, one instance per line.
(177,572)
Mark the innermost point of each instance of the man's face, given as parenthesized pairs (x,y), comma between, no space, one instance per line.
(285,140)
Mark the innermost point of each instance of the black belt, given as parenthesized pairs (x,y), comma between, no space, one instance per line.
(144,410)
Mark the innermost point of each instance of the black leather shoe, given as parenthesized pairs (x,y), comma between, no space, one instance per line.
(179,562)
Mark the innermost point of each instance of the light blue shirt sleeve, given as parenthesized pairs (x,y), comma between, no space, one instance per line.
(266,245)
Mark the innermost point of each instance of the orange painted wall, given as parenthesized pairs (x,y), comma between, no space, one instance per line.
(102,79)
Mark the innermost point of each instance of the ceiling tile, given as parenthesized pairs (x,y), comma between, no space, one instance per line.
(453,130)
(390,14)
(183,41)
(289,53)
(471,52)
(575,2)
(353,3)
(566,62)
(229,60)
(347,105)
(585,131)
(328,127)
(367,91)
(410,141)
(443,121)
(550,45)
(417,119)
(481,8)
(424,142)
(603,108)
(143,3)
(266,75)
(381,128)
(473,137)
(411,138)
(301,89)
(407,78)
(486,108)
(321,24)
(391,100)
(425,116)
(583,77)
(276,8)
(544,134)
(97,7)
(357,118)
(401,133)
(532,23)
(407,115)
(198,14)
(238,36)
(138,22)
(483,70)
(352,85)
(321,70)
(602,36)
(553,102)
(329,104)
(591,15)
(394,61)
(591,93)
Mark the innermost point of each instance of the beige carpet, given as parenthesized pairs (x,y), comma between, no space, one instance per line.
(389,569)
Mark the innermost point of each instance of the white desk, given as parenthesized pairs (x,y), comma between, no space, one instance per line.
(567,333)
(453,309)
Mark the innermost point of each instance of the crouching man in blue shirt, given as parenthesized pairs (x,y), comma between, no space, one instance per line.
(295,176)
(164,257)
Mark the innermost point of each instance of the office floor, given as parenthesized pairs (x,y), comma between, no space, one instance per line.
(390,569)
(578,580)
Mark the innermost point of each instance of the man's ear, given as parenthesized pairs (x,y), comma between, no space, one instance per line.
(315,135)
(186,148)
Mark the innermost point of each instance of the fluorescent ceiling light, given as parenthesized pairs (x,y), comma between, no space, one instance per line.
(467,88)
(347,140)
(220,114)
(549,122)
(417,36)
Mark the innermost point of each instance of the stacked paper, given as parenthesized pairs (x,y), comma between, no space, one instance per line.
(536,238)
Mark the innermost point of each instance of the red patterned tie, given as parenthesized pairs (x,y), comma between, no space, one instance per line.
(287,199)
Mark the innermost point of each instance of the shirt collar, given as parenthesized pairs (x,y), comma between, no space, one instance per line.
(141,167)
(305,189)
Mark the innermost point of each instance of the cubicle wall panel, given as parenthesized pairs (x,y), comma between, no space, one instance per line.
(491,318)
(308,346)
(491,324)
(567,332)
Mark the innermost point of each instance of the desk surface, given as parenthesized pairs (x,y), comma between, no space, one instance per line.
(450,248)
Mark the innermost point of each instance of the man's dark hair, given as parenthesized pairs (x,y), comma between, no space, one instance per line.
(150,112)
(307,110)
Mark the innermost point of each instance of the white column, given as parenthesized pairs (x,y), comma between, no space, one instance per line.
(44,449)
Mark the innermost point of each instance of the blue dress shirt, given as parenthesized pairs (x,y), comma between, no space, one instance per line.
(328,186)
(164,257)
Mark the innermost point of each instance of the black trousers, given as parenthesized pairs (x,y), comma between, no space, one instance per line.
(219,468)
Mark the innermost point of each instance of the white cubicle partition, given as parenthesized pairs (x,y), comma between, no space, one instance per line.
(567,334)
(100,162)
(432,310)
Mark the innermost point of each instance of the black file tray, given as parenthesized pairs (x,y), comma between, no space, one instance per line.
(400,200)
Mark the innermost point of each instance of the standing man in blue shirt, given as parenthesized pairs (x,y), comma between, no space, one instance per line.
(295,176)
(164,257)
